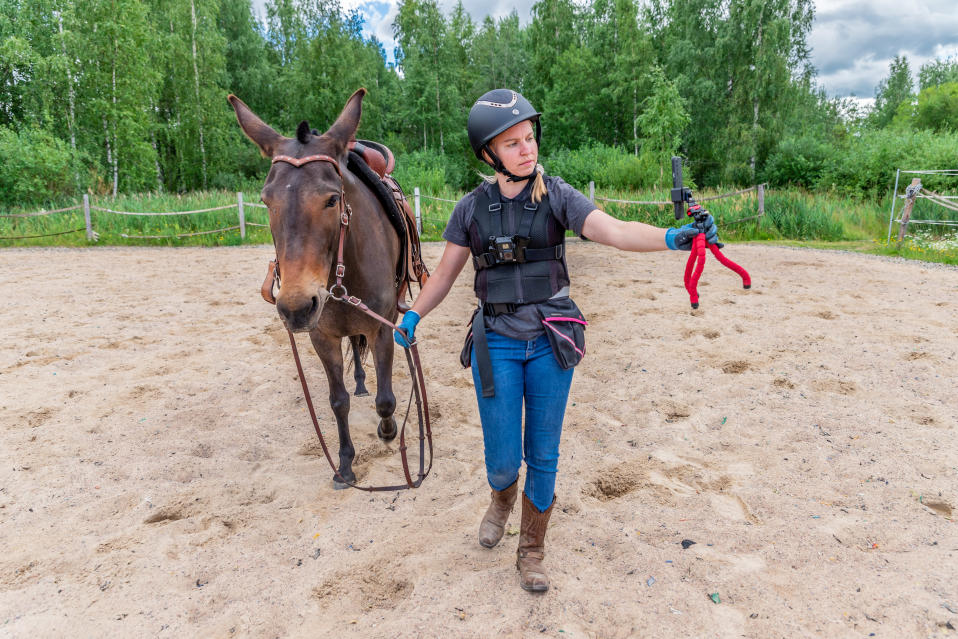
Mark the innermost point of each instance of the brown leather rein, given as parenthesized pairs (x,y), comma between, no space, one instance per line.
(339,293)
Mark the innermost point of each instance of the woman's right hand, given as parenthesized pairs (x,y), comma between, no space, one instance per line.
(408,325)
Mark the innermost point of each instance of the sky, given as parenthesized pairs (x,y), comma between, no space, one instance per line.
(852,41)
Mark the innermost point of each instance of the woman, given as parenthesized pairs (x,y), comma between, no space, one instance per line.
(513,226)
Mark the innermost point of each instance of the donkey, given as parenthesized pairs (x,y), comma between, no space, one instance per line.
(305,208)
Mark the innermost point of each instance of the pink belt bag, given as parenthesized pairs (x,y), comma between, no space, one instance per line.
(564,325)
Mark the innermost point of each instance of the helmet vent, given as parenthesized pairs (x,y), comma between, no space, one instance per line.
(500,105)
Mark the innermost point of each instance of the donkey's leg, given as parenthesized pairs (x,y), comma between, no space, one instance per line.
(385,400)
(358,373)
(330,353)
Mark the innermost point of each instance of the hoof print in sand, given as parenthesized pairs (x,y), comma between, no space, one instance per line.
(735,367)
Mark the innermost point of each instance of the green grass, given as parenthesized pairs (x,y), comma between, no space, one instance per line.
(793,217)
(112,227)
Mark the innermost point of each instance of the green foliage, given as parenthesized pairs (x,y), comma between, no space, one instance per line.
(36,167)
(891,92)
(938,107)
(798,216)
(938,72)
(663,119)
(602,164)
(798,162)
(433,173)
(134,92)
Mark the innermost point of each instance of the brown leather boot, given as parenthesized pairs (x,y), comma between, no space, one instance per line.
(532,536)
(494,521)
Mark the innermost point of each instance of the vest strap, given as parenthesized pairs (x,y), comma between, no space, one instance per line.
(483,359)
(488,260)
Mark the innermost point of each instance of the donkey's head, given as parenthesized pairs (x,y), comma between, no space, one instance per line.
(305,203)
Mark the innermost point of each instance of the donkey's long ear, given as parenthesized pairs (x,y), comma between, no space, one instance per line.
(344,128)
(255,129)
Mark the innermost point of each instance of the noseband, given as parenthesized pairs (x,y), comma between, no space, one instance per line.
(338,292)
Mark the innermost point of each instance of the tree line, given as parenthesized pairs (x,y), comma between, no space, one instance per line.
(113,96)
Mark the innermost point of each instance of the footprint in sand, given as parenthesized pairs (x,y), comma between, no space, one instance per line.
(376,584)
(733,507)
(939,507)
(838,386)
(671,477)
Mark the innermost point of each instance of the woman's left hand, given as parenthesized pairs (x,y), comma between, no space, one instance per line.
(681,238)
(708,227)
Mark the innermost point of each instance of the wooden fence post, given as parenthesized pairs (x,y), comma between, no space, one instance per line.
(911,192)
(86,217)
(418,213)
(592,191)
(242,214)
(761,199)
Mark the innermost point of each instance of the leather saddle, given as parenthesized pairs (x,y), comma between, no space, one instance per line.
(377,156)
(380,159)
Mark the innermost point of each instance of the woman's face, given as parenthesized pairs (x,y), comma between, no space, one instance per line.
(517,148)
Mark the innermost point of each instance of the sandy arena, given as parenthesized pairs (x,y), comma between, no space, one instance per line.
(159,476)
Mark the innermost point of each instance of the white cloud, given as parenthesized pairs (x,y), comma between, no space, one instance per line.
(854,41)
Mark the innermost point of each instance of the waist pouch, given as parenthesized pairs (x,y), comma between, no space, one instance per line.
(565,327)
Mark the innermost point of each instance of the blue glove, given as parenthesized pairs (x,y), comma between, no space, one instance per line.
(681,238)
(408,324)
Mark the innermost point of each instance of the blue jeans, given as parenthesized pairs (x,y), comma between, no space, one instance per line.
(523,370)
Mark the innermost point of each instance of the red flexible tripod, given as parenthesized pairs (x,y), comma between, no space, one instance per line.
(696,263)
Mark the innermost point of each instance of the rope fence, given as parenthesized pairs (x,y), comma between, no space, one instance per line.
(30,237)
(440,199)
(150,213)
(39,213)
(93,235)
(162,237)
(240,206)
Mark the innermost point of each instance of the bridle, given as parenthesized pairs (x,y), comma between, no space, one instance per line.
(339,293)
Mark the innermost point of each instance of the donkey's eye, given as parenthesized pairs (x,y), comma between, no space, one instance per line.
(332,201)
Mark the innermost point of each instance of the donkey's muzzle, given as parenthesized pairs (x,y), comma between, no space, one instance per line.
(299,313)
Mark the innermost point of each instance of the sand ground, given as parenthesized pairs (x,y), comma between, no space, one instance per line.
(159,476)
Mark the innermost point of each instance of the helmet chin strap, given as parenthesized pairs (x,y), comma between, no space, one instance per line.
(501,168)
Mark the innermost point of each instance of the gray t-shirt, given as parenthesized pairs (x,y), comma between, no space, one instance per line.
(569,207)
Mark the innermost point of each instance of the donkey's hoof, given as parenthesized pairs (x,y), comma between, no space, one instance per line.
(361,391)
(387,429)
(339,485)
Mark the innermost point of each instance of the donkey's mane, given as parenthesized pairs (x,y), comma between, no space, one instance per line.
(303,132)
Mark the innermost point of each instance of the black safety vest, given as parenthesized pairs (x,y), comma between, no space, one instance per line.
(518,249)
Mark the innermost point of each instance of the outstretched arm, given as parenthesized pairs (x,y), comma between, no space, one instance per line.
(636,236)
(627,236)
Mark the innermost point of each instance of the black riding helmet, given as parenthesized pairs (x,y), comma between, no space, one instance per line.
(494,112)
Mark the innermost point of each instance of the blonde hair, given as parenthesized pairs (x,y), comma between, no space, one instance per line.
(538,186)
